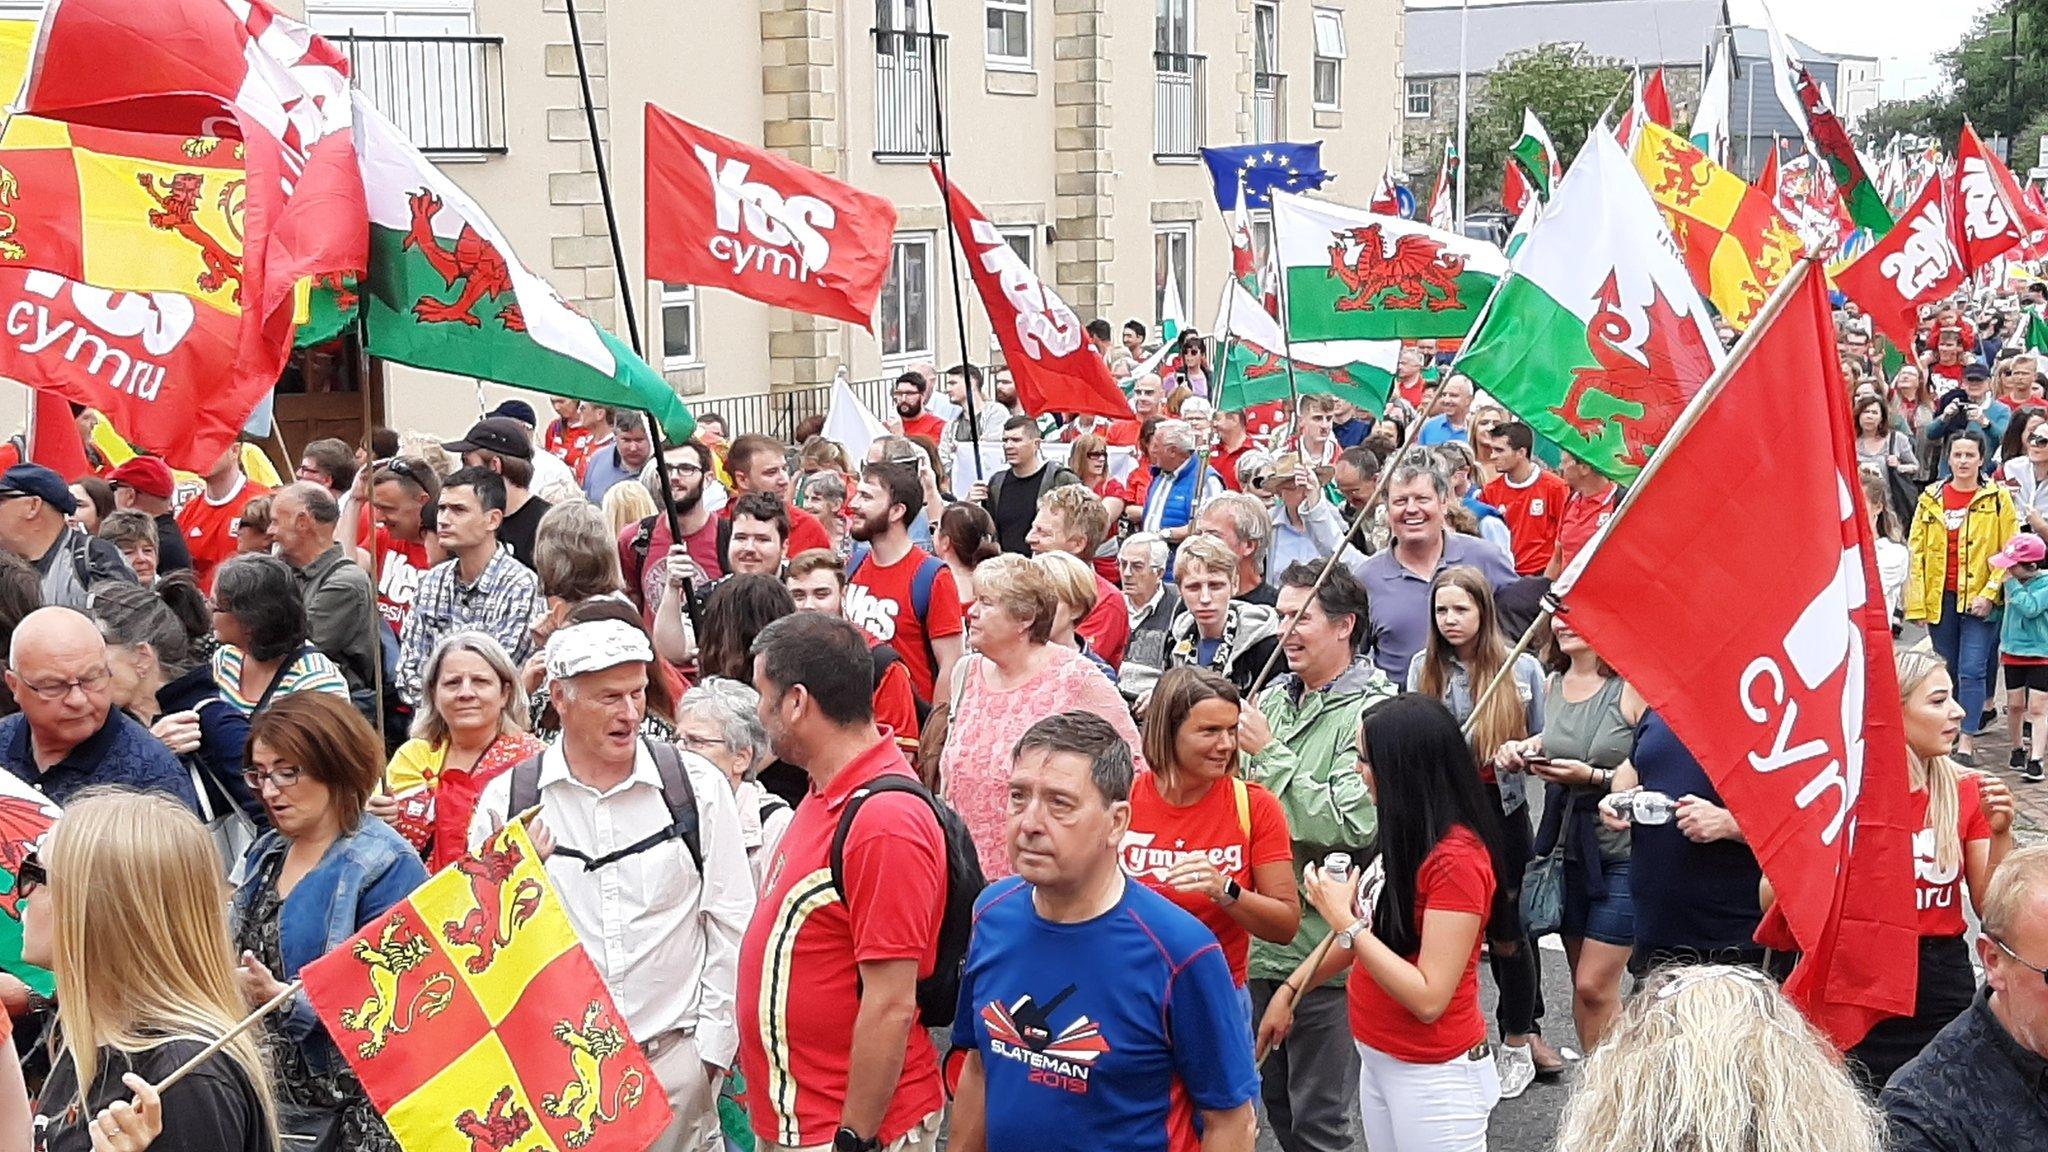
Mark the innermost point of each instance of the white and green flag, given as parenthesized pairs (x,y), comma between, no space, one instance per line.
(1598,339)
(1536,156)
(446,292)
(1258,371)
(1710,119)
(1173,311)
(1357,275)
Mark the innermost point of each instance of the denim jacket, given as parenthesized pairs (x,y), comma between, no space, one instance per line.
(362,875)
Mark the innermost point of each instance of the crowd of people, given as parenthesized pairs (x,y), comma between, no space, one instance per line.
(1184,769)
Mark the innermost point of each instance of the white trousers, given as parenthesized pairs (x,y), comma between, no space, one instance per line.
(692,1093)
(1425,1107)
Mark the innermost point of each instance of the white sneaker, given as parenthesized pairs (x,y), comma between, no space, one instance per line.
(1517,1068)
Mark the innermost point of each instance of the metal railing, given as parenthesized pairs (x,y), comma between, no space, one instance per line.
(777,414)
(1269,107)
(446,93)
(906,114)
(1179,105)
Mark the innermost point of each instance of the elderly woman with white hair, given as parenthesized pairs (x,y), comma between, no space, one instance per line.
(1182,484)
(720,720)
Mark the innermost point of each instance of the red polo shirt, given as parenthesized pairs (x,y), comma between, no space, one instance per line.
(799,987)
(1583,516)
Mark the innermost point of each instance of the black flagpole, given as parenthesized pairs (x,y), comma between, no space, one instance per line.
(931,67)
(626,292)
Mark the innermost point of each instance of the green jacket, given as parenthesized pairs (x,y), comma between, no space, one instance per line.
(1311,766)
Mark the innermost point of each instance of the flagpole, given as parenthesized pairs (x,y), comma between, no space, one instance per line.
(1464,23)
(931,23)
(1286,341)
(627,290)
(377,625)
(213,1049)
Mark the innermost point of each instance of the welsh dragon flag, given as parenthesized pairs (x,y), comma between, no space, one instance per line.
(1256,371)
(446,292)
(1353,275)
(1536,157)
(1598,338)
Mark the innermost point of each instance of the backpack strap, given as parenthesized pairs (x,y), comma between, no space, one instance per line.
(681,797)
(1243,796)
(928,570)
(525,792)
(724,532)
(641,544)
(886,782)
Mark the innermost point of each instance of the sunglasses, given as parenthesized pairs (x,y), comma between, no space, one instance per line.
(30,875)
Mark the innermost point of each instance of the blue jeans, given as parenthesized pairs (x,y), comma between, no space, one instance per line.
(1967,645)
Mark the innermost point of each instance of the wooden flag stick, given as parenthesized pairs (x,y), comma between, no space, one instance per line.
(208,1052)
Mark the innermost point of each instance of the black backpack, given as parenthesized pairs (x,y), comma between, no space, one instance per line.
(676,791)
(938,995)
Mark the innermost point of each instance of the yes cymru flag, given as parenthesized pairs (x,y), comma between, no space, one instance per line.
(1735,243)
(475,1019)
(445,291)
(1919,262)
(1995,217)
(1597,339)
(1353,275)
(1737,590)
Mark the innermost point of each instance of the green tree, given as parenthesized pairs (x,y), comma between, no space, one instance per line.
(1936,114)
(1566,86)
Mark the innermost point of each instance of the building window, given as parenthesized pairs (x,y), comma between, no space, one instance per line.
(1420,98)
(907,299)
(1330,54)
(1019,237)
(1009,33)
(1262,238)
(1174,27)
(1173,259)
(1265,37)
(679,326)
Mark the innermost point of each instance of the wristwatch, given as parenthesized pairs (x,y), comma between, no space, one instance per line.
(847,1140)
(1350,935)
(1231,891)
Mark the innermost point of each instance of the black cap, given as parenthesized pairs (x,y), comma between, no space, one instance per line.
(518,410)
(1975,370)
(36,480)
(500,434)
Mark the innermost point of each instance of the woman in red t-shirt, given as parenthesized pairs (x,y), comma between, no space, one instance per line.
(1426,1079)
(1210,841)
(1090,461)
(1966,830)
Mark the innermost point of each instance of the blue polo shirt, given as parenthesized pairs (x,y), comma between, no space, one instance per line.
(1399,599)
(122,752)
(1108,1034)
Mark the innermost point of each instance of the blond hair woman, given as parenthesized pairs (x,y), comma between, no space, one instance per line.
(125,905)
(1715,1059)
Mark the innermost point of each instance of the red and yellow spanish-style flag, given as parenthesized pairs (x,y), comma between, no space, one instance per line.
(1735,243)
(475,1019)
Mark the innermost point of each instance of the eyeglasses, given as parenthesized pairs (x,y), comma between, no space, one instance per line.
(283,777)
(89,683)
(2002,947)
(700,743)
(686,470)
(30,875)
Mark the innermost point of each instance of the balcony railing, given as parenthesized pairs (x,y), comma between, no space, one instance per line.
(446,93)
(906,105)
(1179,107)
(1269,107)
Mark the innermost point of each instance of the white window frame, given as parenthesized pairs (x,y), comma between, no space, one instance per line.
(1028,250)
(903,242)
(667,296)
(1184,266)
(1271,9)
(1165,13)
(325,15)
(1262,236)
(1331,52)
(1425,90)
(1003,61)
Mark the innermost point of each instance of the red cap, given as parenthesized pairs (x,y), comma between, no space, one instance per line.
(147,475)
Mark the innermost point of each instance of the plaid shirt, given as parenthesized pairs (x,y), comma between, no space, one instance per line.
(501,604)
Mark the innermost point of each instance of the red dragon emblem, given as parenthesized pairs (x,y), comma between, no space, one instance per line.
(1659,379)
(22,823)
(1269,365)
(345,297)
(471,262)
(177,210)
(1417,265)
(1684,175)
(500,1126)
(500,908)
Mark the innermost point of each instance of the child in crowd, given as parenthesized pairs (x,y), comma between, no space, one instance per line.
(2023,644)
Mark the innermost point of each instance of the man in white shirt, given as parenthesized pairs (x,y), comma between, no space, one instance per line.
(643,842)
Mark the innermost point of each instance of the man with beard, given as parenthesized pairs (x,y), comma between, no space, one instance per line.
(648,549)
(900,594)
(908,393)
(1006,392)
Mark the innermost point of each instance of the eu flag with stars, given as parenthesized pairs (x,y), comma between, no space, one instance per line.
(1260,168)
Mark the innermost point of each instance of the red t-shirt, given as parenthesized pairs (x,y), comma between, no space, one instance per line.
(924,424)
(1583,516)
(569,442)
(1534,512)
(1939,894)
(1265,423)
(799,986)
(1123,433)
(1235,839)
(805,533)
(878,598)
(1224,461)
(1950,374)
(209,528)
(1955,510)
(896,706)
(400,566)
(1107,627)
(1456,876)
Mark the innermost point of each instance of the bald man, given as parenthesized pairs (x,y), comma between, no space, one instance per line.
(68,736)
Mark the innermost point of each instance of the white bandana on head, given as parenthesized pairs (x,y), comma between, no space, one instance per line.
(594,646)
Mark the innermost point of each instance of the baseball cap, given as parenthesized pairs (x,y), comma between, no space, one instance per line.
(518,410)
(500,434)
(1976,370)
(36,480)
(147,475)
(2025,548)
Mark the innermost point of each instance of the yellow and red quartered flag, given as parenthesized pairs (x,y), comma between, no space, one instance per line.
(474,1018)
(1735,242)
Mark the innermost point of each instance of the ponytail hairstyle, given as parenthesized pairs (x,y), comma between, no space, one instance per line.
(1937,774)
(971,532)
